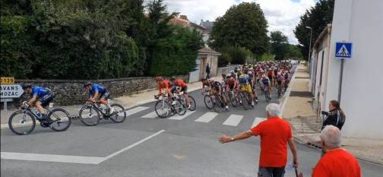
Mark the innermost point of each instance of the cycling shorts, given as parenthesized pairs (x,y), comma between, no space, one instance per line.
(46,99)
(183,89)
(105,96)
(246,88)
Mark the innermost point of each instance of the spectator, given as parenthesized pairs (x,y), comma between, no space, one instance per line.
(275,134)
(336,162)
(207,71)
(335,116)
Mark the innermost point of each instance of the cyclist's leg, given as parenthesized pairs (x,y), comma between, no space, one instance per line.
(104,100)
(184,89)
(39,107)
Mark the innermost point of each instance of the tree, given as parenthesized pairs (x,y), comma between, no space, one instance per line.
(293,51)
(279,45)
(317,18)
(176,54)
(243,25)
(92,39)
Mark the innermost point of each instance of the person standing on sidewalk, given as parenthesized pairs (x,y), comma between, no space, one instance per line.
(207,71)
(275,134)
(335,116)
(336,162)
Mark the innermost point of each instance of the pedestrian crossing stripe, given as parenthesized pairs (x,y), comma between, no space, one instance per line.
(233,120)
(151,115)
(135,110)
(257,120)
(178,117)
(343,52)
(207,117)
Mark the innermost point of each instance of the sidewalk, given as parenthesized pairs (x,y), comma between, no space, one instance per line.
(299,112)
(128,101)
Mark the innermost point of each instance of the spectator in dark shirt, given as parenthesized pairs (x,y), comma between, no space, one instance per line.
(335,116)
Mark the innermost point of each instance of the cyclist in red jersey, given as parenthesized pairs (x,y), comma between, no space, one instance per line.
(163,84)
(181,84)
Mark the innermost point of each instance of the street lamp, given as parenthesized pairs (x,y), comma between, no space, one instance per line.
(309,59)
(311,36)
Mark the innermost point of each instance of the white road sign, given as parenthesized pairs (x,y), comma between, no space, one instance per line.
(11,91)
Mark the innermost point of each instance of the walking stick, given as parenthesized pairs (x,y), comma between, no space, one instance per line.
(296,172)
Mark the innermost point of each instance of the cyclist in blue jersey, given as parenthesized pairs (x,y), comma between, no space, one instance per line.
(41,97)
(98,92)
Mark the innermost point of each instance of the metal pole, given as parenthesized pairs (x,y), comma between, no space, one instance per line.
(5,106)
(340,80)
(309,59)
(311,36)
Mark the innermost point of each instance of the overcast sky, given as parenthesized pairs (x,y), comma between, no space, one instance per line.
(282,15)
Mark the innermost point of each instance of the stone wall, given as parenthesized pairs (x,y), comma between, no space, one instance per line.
(69,92)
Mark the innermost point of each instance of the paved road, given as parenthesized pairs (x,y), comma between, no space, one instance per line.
(145,146)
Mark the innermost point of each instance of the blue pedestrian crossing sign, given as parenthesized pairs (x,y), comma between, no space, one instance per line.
(343,50)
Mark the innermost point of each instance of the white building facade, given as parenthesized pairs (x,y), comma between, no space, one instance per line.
(361,23)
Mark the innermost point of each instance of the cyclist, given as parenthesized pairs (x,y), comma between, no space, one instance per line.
(181,84)
(163,84)
(98,92)
(244,84)
(286,78)
(215,89)
(231,83)
(41,97)
(266,84)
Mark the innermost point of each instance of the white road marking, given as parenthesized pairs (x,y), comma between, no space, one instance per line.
(233,120)
(135,110)
(134,145)
(51,158)
(70,158)
(151,115)
(178,117)
(257,120)
(207,117)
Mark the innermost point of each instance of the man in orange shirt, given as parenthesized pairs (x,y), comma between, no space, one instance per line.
(336,162)
(275,134)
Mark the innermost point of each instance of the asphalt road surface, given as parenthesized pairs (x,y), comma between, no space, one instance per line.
(146,146)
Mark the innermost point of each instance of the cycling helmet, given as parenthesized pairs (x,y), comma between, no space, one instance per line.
(159,78)
(87,84)
(25,86)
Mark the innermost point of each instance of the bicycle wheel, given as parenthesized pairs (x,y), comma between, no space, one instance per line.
(208,100)
(89,115)
(162,108)
(22,122)
(267,96)
(60,118)
(118,115)
(193,105)
(246,102)
(233,100)
(179,108)
(219,104)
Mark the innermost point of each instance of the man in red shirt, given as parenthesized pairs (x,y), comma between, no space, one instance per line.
(336,162)
(275,134)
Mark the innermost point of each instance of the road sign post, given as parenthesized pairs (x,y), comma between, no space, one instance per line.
(343,50)
(8,92)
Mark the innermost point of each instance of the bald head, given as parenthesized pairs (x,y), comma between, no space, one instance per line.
(330,135)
